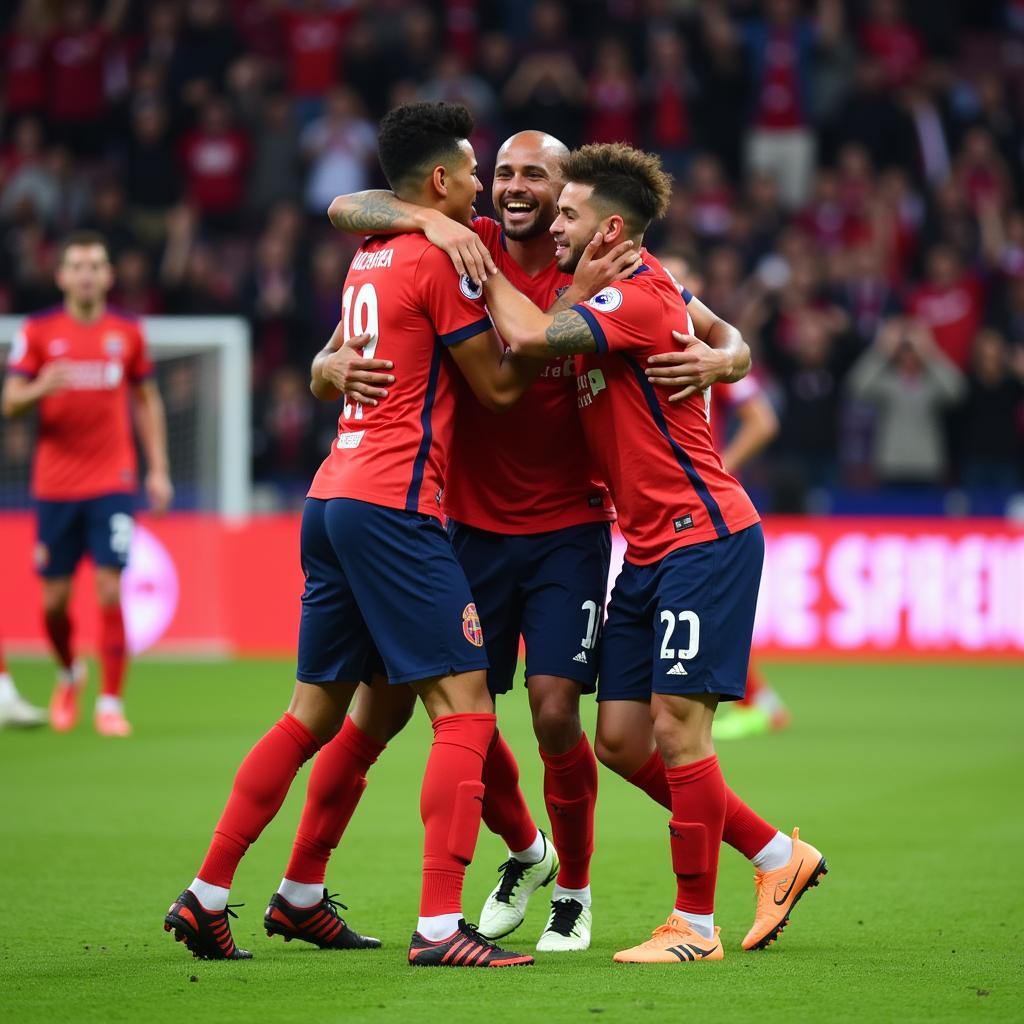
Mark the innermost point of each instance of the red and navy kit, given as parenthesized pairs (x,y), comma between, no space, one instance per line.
(84,446)
(682,612)
(84,474)
(527,518)
(383,586)
(528,470)
(658,459)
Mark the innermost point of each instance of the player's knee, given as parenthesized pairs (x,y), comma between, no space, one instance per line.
(612,751)
(55,599)
(681,740)
(556,724)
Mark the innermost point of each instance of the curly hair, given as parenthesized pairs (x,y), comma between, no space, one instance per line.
(413,139)
(625,179)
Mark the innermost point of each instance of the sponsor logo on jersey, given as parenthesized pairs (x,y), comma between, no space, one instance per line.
(470,288)
(588,386)
(606,300)
(57,347)
(681,523)
(350,439)
(471,627)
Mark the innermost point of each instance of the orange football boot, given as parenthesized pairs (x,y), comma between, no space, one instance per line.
(674,942)
(779,890)
(112,723)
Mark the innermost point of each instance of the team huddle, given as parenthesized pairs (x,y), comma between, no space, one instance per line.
(506,393)
(509,389)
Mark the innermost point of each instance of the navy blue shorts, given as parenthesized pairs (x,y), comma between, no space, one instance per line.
(684,625)
(384,592)
(67,530)
(549,588)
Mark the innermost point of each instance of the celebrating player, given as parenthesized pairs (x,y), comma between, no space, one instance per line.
(529,525)
(677,639)
(76,362)
(401,600)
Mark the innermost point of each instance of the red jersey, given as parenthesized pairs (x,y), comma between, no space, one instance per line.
(84,446)
(77,89)
(313,42)
(406,292)
(954,315)
(526,470)
(658,458)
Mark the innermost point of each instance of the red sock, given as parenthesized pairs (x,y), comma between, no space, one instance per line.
(743,830)
(336,783)
(698,812)
(112,650)
(505,810)
(259,790)
(58,629)
(451,804)
(570,792)
(755,683)
(651,779)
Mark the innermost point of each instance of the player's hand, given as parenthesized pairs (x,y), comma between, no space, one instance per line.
(464,247)
(53,377)
(595,272)
(362,380)
(159,491)
(693,368)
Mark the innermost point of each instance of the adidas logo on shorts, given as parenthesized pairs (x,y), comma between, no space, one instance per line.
(581,657)
(677,670)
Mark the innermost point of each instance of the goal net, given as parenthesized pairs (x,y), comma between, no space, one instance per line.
(203,372)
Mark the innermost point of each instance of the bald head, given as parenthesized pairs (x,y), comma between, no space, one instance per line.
(527,181)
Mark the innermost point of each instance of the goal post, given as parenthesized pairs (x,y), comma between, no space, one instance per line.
(204,370)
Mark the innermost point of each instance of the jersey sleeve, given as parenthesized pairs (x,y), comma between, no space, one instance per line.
(489,231)
(454,304)
(25,358)
(740,391)
(140,366)
(621,318)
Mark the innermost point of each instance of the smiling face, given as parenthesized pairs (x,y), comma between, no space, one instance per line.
(527,180)
(462,184)
(576,224)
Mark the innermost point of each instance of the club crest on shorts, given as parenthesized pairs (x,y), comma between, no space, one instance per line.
(606,299)
(470,288)
(471,627)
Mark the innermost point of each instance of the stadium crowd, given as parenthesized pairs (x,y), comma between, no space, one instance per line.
(849,192)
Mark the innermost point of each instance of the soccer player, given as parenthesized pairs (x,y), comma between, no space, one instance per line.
(15,711)
(79,363)
(383,587)
(677,639)
(529,525)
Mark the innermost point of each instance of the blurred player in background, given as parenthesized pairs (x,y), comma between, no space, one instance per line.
(15,711)
(680,621)
(743,423)
(529,524)
(86,369)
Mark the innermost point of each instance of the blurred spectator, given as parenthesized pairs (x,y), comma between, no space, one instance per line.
(949,303)
(911,384)
(613,96)
(23,51)
(864,294)
(109,217)
(989,432)
(667,90)
(285,444)
(313,32)
(151,174)
(895,44)
(204,51)
(327,270)
(214,158)
(452,83)
(133,290)
(340,147)
(276,170)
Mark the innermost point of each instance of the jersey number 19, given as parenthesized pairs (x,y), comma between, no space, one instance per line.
(360,317)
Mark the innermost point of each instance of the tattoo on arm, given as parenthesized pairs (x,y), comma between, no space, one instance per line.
(371,211)
(569,332)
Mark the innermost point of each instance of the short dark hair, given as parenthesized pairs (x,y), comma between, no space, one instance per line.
(414,138)
(83,237)
(626,179)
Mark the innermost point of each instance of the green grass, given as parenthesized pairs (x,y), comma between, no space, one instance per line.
(908,777)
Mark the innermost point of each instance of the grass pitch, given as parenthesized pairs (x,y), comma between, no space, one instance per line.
(907,777)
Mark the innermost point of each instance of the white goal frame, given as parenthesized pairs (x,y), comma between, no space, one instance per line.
(226,338)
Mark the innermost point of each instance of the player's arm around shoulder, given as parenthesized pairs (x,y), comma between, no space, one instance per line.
(714,353)
(379,212)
